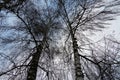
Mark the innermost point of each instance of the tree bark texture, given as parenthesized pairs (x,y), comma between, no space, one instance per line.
(78,71)
(33,65)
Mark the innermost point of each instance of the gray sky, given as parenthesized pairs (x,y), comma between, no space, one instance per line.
(112,29)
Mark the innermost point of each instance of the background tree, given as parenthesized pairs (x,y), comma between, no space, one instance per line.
(103,60)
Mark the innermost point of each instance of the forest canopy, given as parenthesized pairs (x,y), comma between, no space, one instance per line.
(48,40)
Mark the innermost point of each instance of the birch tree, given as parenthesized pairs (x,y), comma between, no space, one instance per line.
(84,15)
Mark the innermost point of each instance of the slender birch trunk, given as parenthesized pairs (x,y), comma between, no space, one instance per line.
(78,71)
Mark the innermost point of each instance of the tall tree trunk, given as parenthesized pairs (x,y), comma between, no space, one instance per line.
(78,71)
(32,70)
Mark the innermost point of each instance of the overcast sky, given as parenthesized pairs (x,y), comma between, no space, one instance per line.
(112,29)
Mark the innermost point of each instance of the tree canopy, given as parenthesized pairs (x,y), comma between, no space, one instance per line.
(47,40)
